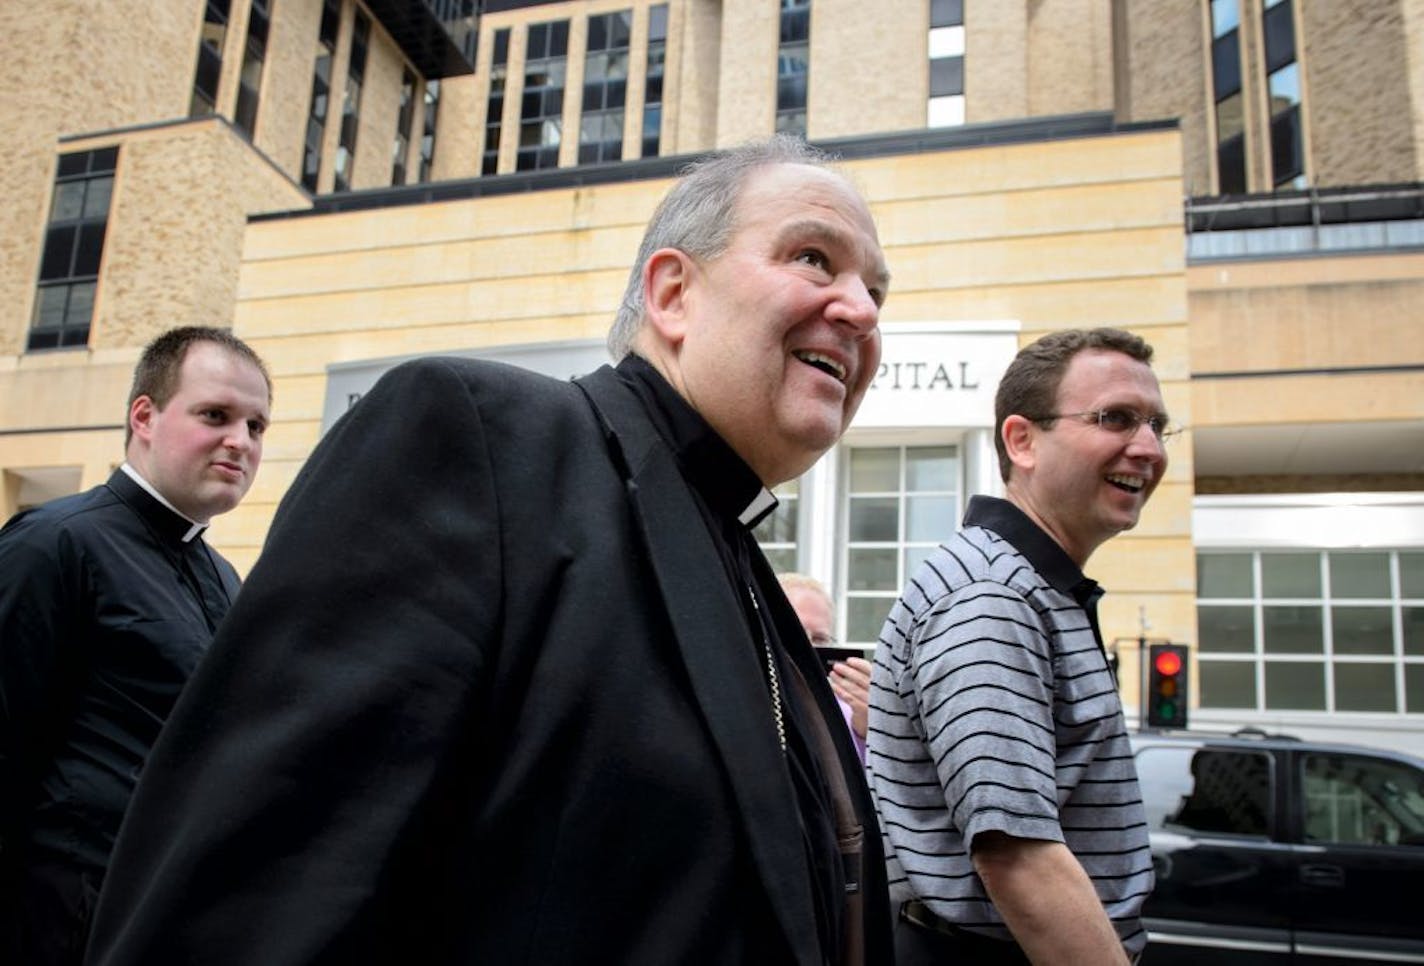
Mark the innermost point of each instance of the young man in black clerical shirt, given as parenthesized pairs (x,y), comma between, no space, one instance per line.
(108,598)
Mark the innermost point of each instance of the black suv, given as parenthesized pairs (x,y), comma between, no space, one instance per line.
(1273,850)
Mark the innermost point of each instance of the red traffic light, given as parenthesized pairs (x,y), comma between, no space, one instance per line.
(1168,663)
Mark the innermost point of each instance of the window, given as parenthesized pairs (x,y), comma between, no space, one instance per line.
(351,103)
(1283,86)
(1226,88)
(946,53)
(494,107)
(900,503)
(1312,630)
(1207,791)
(210,51)
(74,244)
(250,81)
(541,108)
(405,121)
(321,93)
(653,90)
(793,66)
(427,137)
(1356,800)
(605,87)
(777,534)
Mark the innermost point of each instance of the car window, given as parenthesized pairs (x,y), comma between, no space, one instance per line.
(1209,791)
(1359,800)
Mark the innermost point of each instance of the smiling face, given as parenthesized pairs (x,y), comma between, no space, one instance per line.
(775,340)
(1081,483)
(202,449)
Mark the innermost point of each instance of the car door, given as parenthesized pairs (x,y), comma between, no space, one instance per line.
(1361,858)
(1223,881)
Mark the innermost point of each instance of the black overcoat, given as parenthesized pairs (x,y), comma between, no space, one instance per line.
(486,697)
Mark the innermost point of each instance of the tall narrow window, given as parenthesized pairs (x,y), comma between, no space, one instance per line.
(653,89)
(351,103)
(405,121)
(494,110)
(74,243)
(793,66)
(210,51)
(541,108)
(776,535)
(250,82)
(427,138)
(946,52)
(901,501)
(1226,90)
(605,87)
(321,93)
(1283,86)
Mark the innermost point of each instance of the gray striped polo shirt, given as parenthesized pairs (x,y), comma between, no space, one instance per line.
(992,708)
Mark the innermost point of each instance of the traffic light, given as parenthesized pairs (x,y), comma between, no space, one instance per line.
(1167,686)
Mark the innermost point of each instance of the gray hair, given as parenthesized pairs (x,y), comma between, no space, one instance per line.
(698,217)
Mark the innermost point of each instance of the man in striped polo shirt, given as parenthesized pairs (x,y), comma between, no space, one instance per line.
(998,754)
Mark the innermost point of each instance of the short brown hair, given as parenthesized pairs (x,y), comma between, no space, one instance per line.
(1030,385)
(159,368)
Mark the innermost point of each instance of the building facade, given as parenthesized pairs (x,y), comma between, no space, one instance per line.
(350,182)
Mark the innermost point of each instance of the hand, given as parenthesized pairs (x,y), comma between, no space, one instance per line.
(850,679)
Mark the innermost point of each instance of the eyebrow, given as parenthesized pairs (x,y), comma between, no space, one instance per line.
(818,231)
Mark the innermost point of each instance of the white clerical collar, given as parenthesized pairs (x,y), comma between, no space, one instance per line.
(196,530)
(762,504)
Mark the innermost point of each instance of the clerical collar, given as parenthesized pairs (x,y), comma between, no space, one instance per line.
(191,532)
(723,478)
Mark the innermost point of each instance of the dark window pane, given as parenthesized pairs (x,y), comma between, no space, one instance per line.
(791,92)
(1359,575)
(620,29)
(1224,575)
(946,13)
(1230,122)
(1280,36)
(598,33)
(1414,688)
(1230,630)
(592,97)
(531,105)
(657,22)
(58,253)
(1290,575)
(1226,65)
(946,76)
(1362,630)
(654,93)
(501,46)
(1231,164)
(491,163)
(73,164)
(43,339)
(1292,630)
(559,39)
(1296,685)
(96,198)
(1364,687)
(89,250)
(554,103)
(872,569)
(1413,621)
(68,204)
(795,25)
(538,45)
(617,93)
(1227,684)
(1287,158)
(865,616)
(81,308)
(49,307)
(104,159)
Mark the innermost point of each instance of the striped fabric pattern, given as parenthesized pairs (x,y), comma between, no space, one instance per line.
(993,708)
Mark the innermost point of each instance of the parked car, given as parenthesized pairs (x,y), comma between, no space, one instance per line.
(1270,850)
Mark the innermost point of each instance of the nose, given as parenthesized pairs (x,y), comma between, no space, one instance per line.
(239,438)
(1145,444)
(854,305)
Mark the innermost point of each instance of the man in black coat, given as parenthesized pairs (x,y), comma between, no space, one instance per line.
(511,681)
(108,598)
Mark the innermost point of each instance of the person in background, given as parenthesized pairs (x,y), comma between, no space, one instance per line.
(998,752)
(511,680)
(850,677)
(107,601)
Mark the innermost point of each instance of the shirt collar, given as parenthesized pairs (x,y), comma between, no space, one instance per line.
(192,531)
(723,478)
(1042,551)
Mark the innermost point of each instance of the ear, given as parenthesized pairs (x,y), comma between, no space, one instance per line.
(141,414)
(667,277)
(1019,441)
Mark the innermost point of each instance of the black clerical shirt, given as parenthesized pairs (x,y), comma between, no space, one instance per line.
(107,600)
(732,501)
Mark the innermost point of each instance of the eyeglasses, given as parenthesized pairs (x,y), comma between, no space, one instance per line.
(823,640)
(1123,422)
